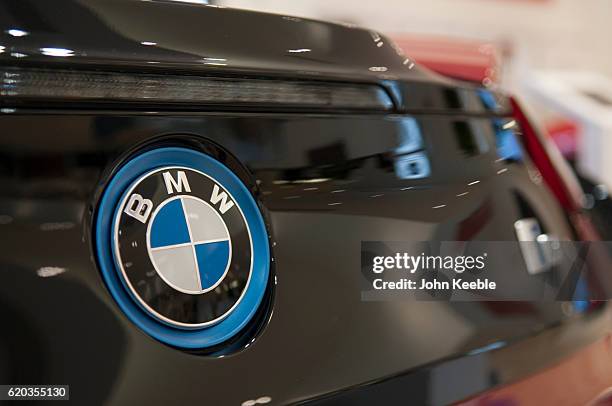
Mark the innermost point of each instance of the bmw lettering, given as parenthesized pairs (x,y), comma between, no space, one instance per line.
(208,205)
(183,247)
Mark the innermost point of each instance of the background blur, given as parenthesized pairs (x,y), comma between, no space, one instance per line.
(555,54)
(539,34)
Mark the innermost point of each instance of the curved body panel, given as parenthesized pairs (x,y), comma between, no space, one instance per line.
(428,169)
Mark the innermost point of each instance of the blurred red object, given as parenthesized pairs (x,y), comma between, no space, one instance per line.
(463,59)
(564,134)
(583,378)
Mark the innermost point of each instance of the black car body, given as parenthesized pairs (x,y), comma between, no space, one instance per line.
(353,143)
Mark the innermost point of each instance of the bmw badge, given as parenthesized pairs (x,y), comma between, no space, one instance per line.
(182,246)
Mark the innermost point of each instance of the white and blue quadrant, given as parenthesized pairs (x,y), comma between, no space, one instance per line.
(189,244)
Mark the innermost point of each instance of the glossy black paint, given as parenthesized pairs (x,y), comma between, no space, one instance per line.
(325,182)
(187,36)
(165,37)
(321,337)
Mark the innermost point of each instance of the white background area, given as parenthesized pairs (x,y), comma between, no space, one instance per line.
(552,34)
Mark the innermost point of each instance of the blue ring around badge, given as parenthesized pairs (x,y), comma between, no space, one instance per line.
(105,217)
